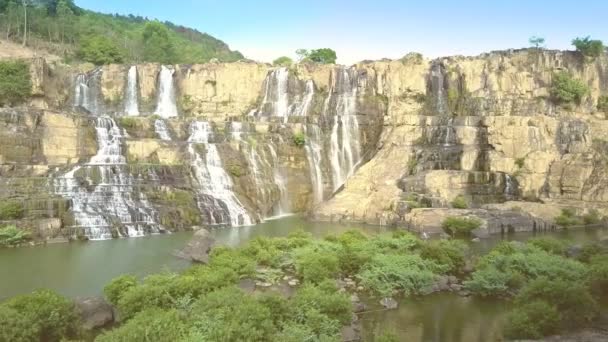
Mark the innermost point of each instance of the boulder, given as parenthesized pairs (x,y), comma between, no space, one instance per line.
(198,248)
(389,303)
(351,333)
(94,312)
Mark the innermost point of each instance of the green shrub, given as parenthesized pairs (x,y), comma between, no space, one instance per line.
(299,139)
(324,56)
(11,210)
(550,245)
(568,218)
(316,263)
(50,315)
(408,274)
(588,47)
(15,327)
(149,325)
(598,275)
(460,226)
(520,162)
(460,202)
(602,104)
(13,236)
(323,299)
(118,287)
(99,50)
(128,123)
(532,321)
(447,253)
(566,90)
(283,61)
(15,83)
(592,217)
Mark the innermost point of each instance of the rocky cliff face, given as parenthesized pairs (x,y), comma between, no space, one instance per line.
(231,144)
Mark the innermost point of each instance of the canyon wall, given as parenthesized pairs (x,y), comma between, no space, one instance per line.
(131,150)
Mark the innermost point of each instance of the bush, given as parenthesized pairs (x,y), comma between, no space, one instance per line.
(100,50)
(409,274)
(13,236)
(324,299)
(324,56)
(588,47)
(149,325)
(460,203)
(550,245)
(592,217)
(598,274)
(447,253)
(15,83)
(11,210)
(315,264)
(128,123)
(16,327)
(283,61)
(460,226)
(532,320)
(50,315)
(118,287)
(568,218)
(299,139)
(566,90)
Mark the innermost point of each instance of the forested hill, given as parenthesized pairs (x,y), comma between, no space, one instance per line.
(60,27)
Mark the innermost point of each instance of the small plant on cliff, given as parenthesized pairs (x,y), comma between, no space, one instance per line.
(460,226)
(566,89)
(283,61)
(127,123)
(602,104)
(460,202)
(11,210)
(15,82)
(13,236)
(588,47)
(299,139)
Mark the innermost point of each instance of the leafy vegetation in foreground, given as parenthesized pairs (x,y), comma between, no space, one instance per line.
(551,292)
(73,32)
(13,236)
(567,90)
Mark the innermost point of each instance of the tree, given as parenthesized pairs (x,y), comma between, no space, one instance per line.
(158,46)
(537,42)
(324,56)
(65,16)
(283,61)
(565,89)
(15,87)
(588,47)
(100,50)
(302,54)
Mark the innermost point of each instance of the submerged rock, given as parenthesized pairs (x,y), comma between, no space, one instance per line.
(389,303)
(198,247)
(94,312)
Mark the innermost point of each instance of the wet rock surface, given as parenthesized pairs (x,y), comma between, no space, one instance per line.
(198,248)
(94,312)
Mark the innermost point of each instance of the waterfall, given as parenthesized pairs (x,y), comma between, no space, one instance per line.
(216,199)
(278,102)
(87,92)
(236,130)
(111,202)
(510,187)
(161,129)
(344,139)
(437,88)
(166,107)
(450,133)
(302,110)
(281,181)
(314,156)
(131,103)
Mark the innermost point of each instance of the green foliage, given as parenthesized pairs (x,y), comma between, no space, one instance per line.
(11,210)
(15,83)
(119,286)
(460,202)
(602,104)
(157,43)
(323,299)
(588,47)
(324,56)
(447,253)
(283,61)
(568,218)
(407,274)
(316,262)
(13,236)
(299,139)
(460,226)
(592,217)
(536,42)
(549,244)
(566,90)
(127,122)
(99,50)
(149,325)
(16,327)
(49,315)
(598,274)
(520,162)
(532,320)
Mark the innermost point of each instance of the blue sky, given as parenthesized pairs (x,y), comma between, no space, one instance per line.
(374,29)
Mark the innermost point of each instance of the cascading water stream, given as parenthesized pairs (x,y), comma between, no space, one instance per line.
(103,195)
(344,140)
(161,129)
(166,107)
(314,155)
(281,181)
(131,103)
(216,199)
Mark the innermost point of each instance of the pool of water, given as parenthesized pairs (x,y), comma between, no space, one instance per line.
(83,268)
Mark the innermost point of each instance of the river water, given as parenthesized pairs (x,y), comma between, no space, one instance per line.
(83,268)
